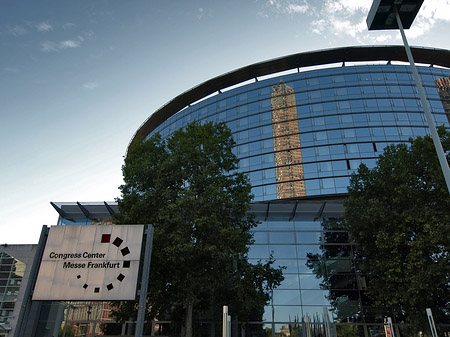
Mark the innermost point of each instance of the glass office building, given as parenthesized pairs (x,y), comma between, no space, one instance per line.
(302,125)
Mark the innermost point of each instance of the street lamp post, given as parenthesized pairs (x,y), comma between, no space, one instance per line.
(399,14)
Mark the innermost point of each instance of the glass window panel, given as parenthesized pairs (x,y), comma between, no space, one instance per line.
(354,91)
(291,265)
(315,297)
(270,190)
(321,135)
(341,92)
(258,252)
(280,225)
(290,282)
(317,107)
(313,81)
(269,174)
(309,168)
(318,121)
(282,251)
(365,147)
(331,120)
(328,183)
(343,105)
(267,144)
(312,185)
(391,131)
(286,297)
(261,237)
(286,313)
(315,94)
(304,250)
(310,281)
(281,237)
(336,149)
(349,133)
(323,150)
(338,266)
(334,134)
(308,237)
(329,106)
(325,166)
(342,182)
(357,104)
(339,165)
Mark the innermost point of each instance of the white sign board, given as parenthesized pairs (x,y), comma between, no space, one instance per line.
(90,263)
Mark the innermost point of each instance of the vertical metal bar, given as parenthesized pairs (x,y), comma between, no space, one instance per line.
(23,318)
(431,322)
(225,321)
(391,326)
(326,319)
(144,281)
(271,302)
(426,107)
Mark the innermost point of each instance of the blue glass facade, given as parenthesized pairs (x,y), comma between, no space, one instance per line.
(346,115)
(309,131)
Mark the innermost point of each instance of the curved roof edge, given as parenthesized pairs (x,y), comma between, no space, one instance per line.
(440,57)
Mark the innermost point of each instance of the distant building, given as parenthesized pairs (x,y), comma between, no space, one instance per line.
(286,143)
(443,85)
(15,264)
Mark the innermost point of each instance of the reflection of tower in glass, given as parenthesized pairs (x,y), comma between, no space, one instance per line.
(443,86)
(286,143)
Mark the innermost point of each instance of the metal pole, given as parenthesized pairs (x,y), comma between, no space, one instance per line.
(437,142)
(391,326)
(65,323)
(225,321)
(144,281)
(431,322)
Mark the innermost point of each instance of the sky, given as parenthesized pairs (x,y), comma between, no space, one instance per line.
(78,78)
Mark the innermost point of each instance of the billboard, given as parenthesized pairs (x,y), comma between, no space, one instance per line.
(90,263)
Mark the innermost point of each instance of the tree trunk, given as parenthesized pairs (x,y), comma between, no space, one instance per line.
(188,320)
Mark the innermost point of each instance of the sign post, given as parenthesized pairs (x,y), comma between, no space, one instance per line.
(144,281)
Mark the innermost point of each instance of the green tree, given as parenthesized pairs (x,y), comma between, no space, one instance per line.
(189,189)
(399,215)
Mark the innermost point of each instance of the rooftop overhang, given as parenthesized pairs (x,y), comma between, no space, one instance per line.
(382,13)
(430,56)
(305,207)
(85,210)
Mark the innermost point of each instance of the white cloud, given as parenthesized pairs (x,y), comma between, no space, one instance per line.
(49,46)
(200,13)
(90,85)
(16,30)
(293,8)
(318,26)
(44,27)
(69,44)
(343,18)
(68,25)
(288,6)
(12,70)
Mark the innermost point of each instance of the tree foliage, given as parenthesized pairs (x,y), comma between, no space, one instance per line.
(399,215)
(189,189)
